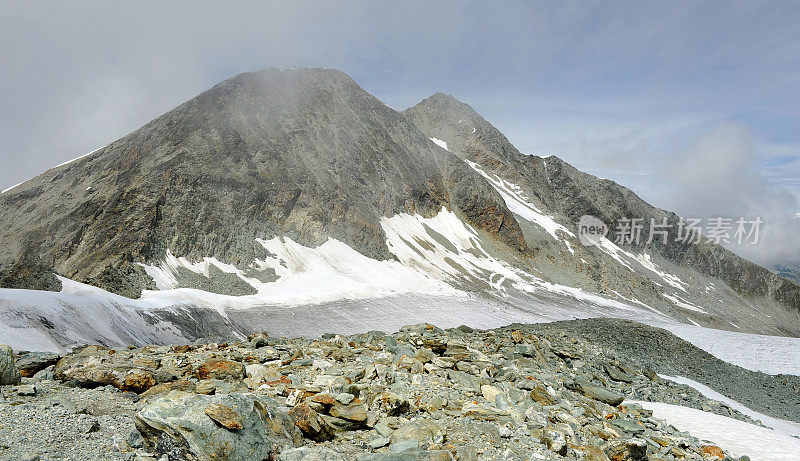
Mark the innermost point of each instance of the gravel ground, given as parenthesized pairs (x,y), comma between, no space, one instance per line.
(66,423)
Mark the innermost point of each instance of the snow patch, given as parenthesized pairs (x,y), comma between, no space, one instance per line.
(461,258)
(768,354)
(330,272)
(440,143)
(627,259)
(520,204)
(737,437)
(680,302)
(788,427)
(647,263)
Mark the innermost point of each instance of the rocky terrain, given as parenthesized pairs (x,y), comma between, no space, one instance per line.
(213,216)
(522,392)
(306,154)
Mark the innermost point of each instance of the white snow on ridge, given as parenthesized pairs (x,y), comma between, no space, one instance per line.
(434,255)
(680,302)
(330,272)
(519,204)
(626,259)
(14,186)
(78,158)
(737,437)
(456,256)
(463,259)
(647,263)
(781,425)
(440,143)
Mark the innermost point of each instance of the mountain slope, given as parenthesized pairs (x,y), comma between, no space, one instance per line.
(296,201)
(563,194)
(306,154)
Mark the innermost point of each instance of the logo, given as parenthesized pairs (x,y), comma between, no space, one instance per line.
(591,231)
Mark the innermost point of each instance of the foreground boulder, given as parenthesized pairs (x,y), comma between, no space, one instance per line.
(95,366)
(29,363)
(8,368)
(237,426)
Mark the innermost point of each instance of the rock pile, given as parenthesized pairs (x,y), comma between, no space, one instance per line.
(420,394)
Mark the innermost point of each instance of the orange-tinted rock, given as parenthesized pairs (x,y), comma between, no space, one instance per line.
(221,369)
(225,416)
(137,380)
(712,450)
(310,424)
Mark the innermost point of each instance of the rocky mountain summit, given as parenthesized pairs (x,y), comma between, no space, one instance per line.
(524,392)
(284,189)
(306,154)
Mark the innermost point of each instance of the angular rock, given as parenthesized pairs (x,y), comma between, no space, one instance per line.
(310,423)
(632,449)
(164,388)
(8,369)
(26,390)
(356,411)
(414,454)
(425,434)
(391,404)
(490,393)
(178,426)
(712,451)
(221,369)
(627,425)
(225,416)
(136,380)
(616,373)
(311,454)
(555,440)
(30,363)
(540,395)
(595,392)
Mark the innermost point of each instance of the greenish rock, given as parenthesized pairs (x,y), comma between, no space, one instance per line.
(311,454)
(594,392)
(177,425)
(9,374)
(414,454)
(627,425)
(422,432)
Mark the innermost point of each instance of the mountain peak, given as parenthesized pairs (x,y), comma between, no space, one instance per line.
(302,153)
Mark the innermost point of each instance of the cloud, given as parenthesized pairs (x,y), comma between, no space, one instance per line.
(717,175)
(611,87)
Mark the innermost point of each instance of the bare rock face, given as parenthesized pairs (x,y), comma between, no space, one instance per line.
(568,194)
(306,154)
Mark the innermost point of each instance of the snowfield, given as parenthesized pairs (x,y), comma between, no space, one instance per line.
(738,437)
(440,262)
(781,425)
(773,355)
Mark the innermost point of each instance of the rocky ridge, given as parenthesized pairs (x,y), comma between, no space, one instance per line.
(560,189)
(521,392)
(305,156)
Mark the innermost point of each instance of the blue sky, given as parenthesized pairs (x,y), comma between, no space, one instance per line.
(631,91)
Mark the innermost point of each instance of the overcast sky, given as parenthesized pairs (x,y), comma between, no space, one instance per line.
(693,105)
